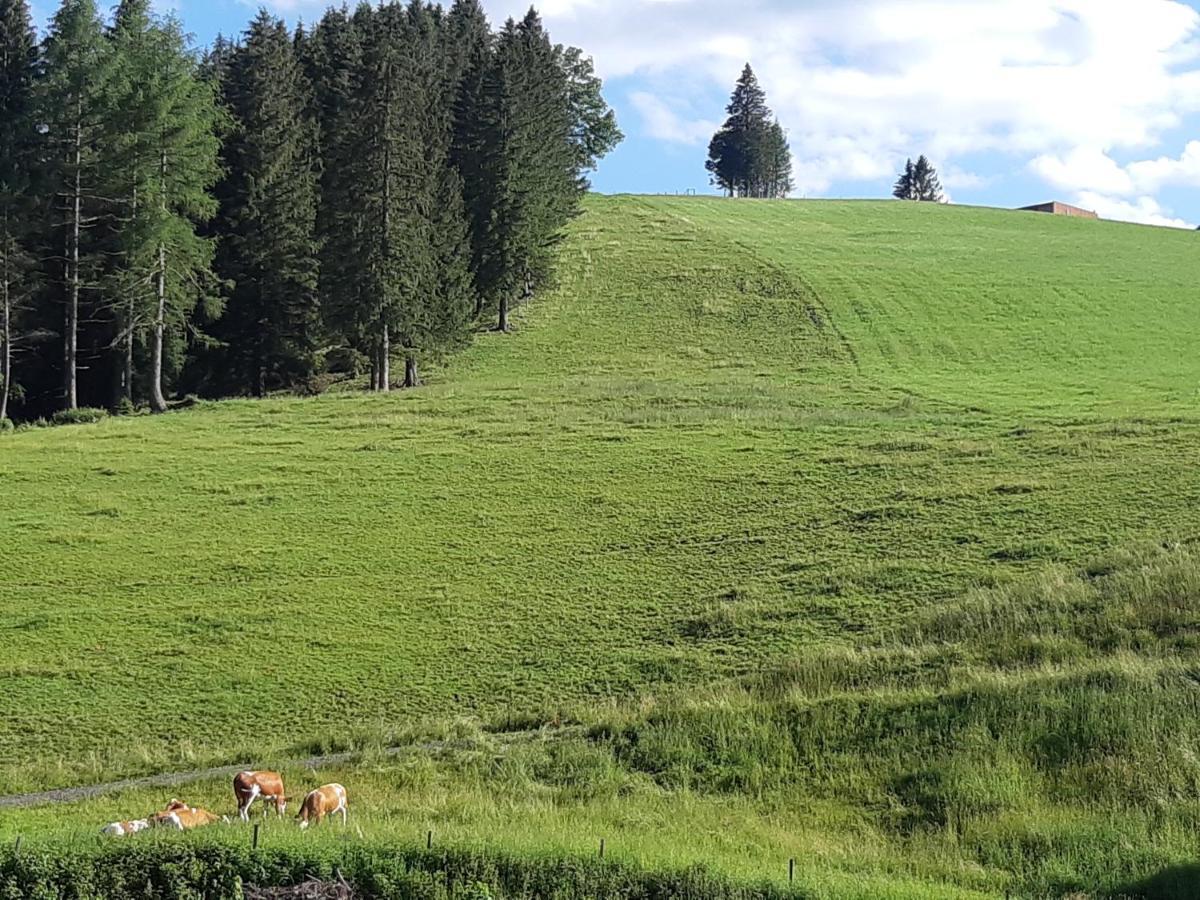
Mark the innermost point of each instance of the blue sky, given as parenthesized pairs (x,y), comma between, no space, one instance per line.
(1095,102)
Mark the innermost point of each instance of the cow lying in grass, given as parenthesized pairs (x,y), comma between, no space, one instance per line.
(121,829)
(249,786)
(327,800)
(180,816)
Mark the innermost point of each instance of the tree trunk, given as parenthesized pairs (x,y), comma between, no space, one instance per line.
(411,379)
(385,362)
(5,328)
(71,326)
(127,337)
(127,363)
(502,325)
(158,402)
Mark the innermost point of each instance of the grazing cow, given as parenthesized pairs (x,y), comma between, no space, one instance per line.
(248,786)
(180,816)
(121,829)
(326,800)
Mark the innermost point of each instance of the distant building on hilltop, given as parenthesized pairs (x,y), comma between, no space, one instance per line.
(1060,209)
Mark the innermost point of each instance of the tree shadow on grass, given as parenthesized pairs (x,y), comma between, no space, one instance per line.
(1174,883)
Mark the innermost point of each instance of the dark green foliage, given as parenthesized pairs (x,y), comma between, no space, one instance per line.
(268,212)
(531,183)
(348,190)
(220,871)
(918,181)
(749,155)
(18,164)
(74,112)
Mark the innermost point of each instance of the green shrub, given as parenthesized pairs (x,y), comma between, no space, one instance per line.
(6,425)
(178,869)
(81,416)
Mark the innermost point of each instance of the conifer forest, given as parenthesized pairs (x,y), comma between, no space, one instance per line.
(278,211)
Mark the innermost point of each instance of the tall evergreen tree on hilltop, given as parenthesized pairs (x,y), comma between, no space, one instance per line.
(918,181)
(749,156)
(18,163)
(268,211)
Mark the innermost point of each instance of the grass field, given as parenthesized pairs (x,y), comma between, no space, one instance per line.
(707,504)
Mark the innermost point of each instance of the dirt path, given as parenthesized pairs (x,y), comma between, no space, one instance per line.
(171,779)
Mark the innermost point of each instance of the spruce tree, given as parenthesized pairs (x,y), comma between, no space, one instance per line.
(74,114)
(268,210)
(18,163)
(918,181)
(470,46)
(749,156)
(177,124)
(130,169)
(375,213)
(332,57)
(533,185)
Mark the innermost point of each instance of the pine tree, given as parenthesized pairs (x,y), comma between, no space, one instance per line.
(775,164)
(471,50)
(533,185)
(749,155)
(380,185)
(918,181)
(332,57)
(736,150)
(78,63)
(268,210)
(131,170)
(18,162)
(170,113)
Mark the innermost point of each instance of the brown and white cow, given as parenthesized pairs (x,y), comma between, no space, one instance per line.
(327,800)
(180,816)
(249,786)
(122,829)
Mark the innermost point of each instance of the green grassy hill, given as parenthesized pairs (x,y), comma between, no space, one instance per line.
(708,502)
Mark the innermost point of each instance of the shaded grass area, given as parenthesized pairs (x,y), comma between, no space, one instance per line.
(770,505)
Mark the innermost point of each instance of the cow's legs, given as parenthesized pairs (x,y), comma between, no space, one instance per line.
(244,809)
(343,814)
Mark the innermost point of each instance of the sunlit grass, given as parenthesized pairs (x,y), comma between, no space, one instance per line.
(753,473)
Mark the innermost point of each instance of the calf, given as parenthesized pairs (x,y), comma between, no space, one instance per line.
(248,786)
(180,816)
(326,800)
(121,829)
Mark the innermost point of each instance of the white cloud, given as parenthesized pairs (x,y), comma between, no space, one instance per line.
(1145,210)
(862,85)
(1154,174)
(1063,87)
(955,178)
(1083,168)
(663,121)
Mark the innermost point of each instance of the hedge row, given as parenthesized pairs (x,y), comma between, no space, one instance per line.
(196,871)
